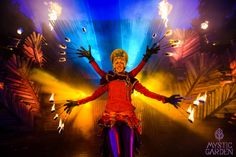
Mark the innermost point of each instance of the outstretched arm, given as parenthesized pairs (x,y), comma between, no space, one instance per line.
(174,99)
(87,53)
(137,69)
(97,68)
(101,90)
(71,104)
(140,88)
(149,51)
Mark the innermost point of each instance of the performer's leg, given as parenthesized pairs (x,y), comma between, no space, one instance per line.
(127,134)
(114,141)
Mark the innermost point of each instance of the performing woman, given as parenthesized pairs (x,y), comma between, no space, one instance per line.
(121,127)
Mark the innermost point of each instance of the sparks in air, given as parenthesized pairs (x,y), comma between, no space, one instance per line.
(54,11)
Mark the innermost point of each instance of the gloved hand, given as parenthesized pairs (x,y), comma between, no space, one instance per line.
(85,53)
(70,105)
(150,51)
(174,100)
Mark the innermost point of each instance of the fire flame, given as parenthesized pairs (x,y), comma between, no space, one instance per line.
(172,41)
(202,99)
(168,32)
(189,109)
(175,43)
(164,10)
(199,99)
(60,123)
(170,54)
(54,11)
(51,99)
(56,116)
(53,108)
(196,101)
(191,116)
(60,126)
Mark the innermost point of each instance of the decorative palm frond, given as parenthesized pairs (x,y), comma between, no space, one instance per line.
(203,76)
(32,48)
(223,98)
(21,93)
(220,98)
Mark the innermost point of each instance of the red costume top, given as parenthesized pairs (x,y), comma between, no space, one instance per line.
(119,106)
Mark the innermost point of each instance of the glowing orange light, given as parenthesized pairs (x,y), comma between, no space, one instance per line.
(1,85)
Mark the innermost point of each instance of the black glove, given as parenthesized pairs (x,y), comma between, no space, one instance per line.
(150,51)
(70,105)
(84,53)
(174,100)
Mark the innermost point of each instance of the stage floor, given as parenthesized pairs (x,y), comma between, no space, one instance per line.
(171,139)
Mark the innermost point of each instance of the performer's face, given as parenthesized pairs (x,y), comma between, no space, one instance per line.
(119,65)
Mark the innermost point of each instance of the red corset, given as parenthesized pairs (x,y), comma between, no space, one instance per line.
(119,97)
